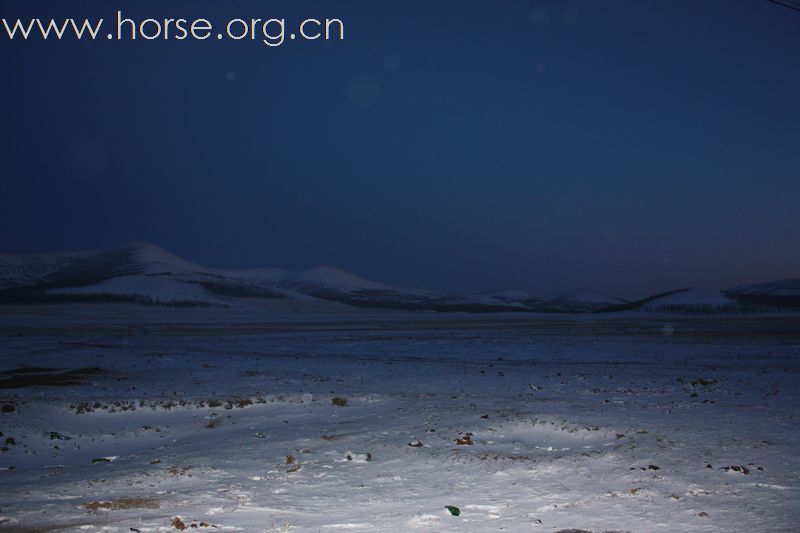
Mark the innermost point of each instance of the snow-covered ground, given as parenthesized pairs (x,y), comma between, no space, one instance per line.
(534,423)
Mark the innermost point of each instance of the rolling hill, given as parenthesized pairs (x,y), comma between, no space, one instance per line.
(146,274)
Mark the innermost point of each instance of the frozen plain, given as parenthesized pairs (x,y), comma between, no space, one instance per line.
(227,422)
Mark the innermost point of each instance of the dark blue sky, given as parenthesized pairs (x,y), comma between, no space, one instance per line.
(627,146)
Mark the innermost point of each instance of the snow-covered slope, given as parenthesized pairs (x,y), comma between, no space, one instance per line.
(146,273)
(578,301)
(511,296)
(138,272)
(27,269)
(331,278)
(149,289)
(780,292)
(329,283)
(691,301)
(85,268)
(154,260)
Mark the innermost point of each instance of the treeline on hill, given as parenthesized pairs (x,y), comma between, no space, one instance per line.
(742,304)
(10,297)
(379,299)
(767,299)
(706,309)
(239,291)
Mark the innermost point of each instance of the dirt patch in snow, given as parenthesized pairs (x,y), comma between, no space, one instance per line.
(124,503)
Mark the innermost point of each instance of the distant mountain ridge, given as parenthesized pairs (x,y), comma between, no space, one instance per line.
(145,273)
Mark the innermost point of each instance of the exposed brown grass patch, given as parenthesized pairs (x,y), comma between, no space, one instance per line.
(124,503)
(179,471)
(465,440)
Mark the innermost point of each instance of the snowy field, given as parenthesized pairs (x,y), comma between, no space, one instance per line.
(118,418)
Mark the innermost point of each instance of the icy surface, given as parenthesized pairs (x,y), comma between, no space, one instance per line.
(231,423)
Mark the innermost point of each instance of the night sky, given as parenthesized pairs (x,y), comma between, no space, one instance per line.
(626,146)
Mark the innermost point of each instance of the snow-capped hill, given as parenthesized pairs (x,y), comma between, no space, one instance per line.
(127,260)
(27,269)
(143,289)
(263,276)
(784,287)
(579,301)
(780,292)
(329,283)
(145,273)
(332,278)
(509,295)
(137,272)
(691,301)
(152,259)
